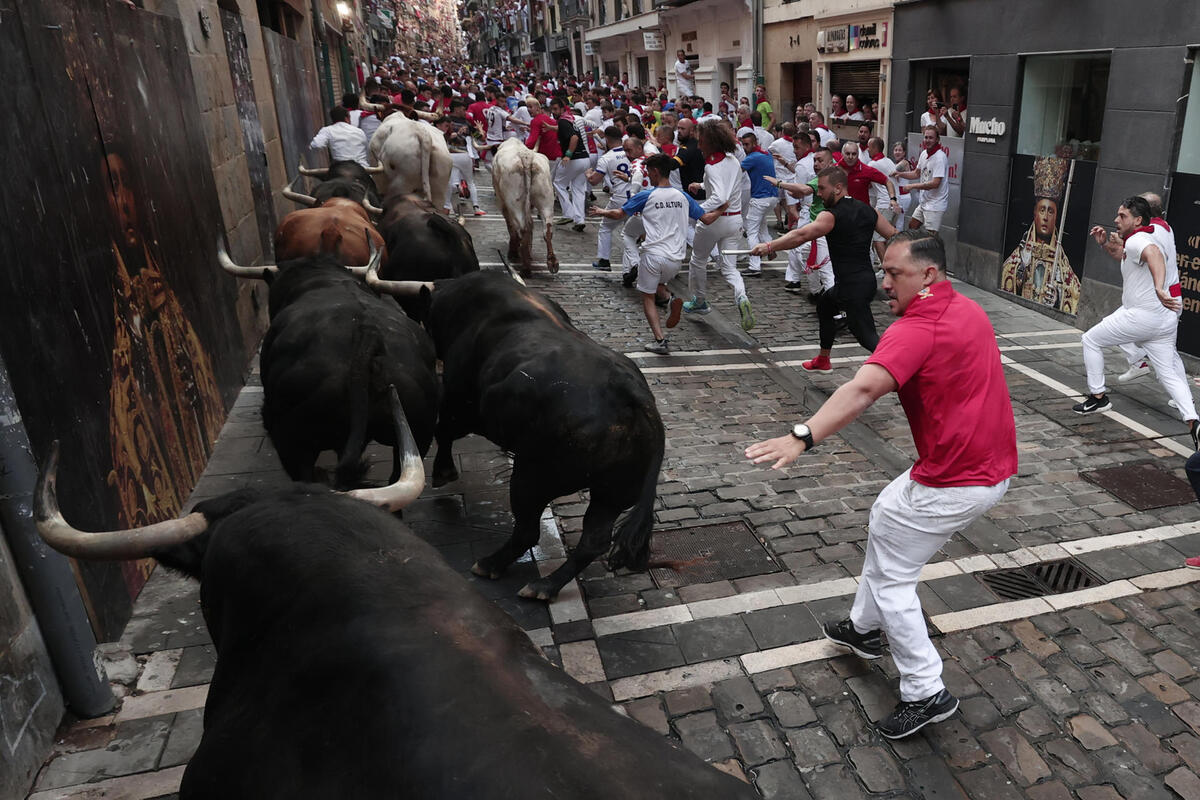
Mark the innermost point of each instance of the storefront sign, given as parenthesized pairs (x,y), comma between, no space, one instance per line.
(653,40)
(871,36)
(1046,235)
(986,130)
(1184,218)
(589,49)
(833,40)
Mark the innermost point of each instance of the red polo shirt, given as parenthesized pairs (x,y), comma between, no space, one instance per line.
(942,353)
(859,178)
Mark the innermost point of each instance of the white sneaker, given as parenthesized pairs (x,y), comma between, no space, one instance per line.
(1139,370)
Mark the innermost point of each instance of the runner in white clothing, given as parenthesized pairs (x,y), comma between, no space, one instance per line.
(1164,237)
(664,211)
(933,174)
(614,167)
(685,78)
(723,191)
(1148,316)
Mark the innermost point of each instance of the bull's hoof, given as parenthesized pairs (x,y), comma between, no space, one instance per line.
(443,476)
(538,590)
(484,570)
(552,265)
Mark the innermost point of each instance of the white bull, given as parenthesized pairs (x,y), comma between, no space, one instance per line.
(414,158)
(521,179)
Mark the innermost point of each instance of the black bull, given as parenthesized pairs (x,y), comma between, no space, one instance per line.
(331,353)
(353,662)
(574,414)
(346,179)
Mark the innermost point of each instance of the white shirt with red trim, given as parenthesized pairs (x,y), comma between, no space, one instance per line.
(1137,284)
(723,183)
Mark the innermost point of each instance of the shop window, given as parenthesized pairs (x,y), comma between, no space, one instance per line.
(1189,146)
(1062,105)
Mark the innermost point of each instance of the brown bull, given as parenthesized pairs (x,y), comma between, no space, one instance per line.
(339,227)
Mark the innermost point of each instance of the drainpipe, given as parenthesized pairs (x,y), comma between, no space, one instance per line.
(46,574)
(758,48)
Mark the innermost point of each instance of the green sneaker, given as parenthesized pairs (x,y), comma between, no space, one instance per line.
(695,306)
(747,313)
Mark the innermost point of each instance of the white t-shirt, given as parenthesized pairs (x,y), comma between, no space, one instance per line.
(764,137)
(1165,240)
(805,172)
(855,117)
(928,119)
(1137,284)
(783,153)
(615,162)
(494,118)
(685,84)
(345,143)
(935,166)
(665,212)
(953,134)
(826,135)
(879,191)
(723,182)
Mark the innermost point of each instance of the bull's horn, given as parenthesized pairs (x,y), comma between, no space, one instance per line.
(237,271)
(370,208)
(314,173)
(303,199)
(374,170)
(365,105)
(397,288)
(411,482)
(107,545)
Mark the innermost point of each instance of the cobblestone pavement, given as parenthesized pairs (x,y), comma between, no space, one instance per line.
(1091,694)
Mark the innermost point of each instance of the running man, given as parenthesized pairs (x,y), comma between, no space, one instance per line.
(940,357)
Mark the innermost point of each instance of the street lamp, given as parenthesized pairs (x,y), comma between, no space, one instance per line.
(343,9)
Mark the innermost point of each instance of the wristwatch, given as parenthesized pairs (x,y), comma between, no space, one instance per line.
(801,432)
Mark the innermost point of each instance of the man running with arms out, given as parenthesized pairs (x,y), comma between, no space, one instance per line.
(941,357)
(847,225)
(665,211)
(1148,316)
(722,189)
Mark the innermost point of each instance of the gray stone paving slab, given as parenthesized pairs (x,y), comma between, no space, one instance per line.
(639,651)
(135,747)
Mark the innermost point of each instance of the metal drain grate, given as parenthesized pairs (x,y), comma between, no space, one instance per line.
(1038,580)
(1143,485)
(708,553)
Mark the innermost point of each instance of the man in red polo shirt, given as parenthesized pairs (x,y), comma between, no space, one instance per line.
(941,357)
(860,176)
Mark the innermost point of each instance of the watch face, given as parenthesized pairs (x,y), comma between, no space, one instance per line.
(801,431)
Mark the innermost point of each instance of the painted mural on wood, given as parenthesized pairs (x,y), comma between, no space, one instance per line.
(120,334)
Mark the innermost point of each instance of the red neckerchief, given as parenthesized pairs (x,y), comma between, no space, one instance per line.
(876,158)
(822,127)
(1161,221)
(715,158)
(787,138)
(1143,229)
(934,150)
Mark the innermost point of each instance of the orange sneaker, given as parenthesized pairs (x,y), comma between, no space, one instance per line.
(818,364)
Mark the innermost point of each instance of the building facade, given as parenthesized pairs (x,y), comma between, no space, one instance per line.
(1062,121)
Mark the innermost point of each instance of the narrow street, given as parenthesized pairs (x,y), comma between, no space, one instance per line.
(1080,683)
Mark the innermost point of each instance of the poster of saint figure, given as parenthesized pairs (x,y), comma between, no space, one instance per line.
(1046,233)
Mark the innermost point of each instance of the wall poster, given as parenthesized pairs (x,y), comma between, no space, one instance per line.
(1049,202)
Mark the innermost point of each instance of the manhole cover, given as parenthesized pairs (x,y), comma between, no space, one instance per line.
(708,553)
(1143,485)
(1038,580)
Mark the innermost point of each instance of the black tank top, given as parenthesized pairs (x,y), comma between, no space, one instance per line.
(850,240)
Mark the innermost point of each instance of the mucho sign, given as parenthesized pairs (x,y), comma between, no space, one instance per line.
(987,130)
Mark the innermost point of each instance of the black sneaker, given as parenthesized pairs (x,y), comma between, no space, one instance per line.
(629,278)
(813,297)
(794,286)
(1092,404)
(864,645)
(602,265)
(578,227)
(1194,430)
(908,718)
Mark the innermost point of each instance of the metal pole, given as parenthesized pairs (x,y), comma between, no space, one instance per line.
(47,575)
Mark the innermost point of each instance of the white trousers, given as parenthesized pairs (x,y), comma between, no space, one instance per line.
(1151,332)
(461,170)
(818,269)
(909,523)
(634,227)
(756,225)
(570,184)
(607,226)
(725,233)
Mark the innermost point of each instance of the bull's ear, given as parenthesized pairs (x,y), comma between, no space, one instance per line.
(424,302)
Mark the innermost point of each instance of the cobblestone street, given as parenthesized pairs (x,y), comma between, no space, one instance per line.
(1091,694)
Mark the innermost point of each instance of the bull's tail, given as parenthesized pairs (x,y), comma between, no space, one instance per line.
(631,540)
(358,407)
(424,146)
